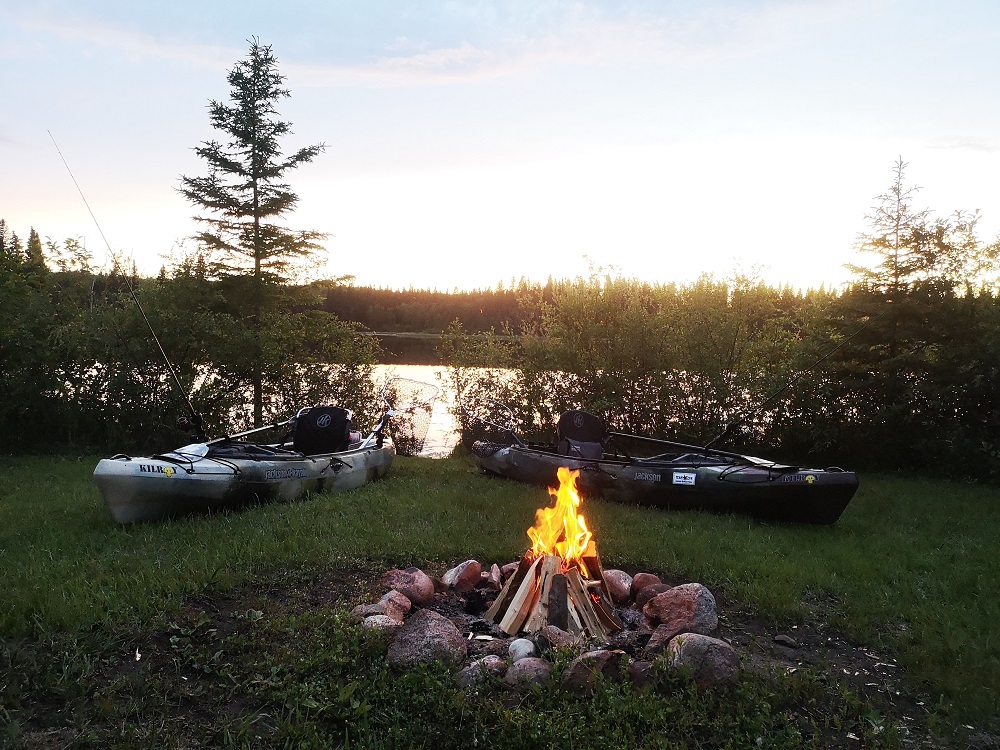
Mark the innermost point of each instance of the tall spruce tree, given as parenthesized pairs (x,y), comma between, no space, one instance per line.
(243,198)
(898,238)
(912,250)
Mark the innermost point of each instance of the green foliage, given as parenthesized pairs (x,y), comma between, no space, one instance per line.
(651,359)
(479,372)
(84,372)
(421,310)
(907,359)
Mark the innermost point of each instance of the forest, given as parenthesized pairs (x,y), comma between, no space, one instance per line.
(898,370)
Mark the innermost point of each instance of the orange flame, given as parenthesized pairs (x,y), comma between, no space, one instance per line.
(560,530)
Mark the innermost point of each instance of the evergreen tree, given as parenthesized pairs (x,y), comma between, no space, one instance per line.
(243,197)
(34,256)
(915,251)
(10,246)
(897,236)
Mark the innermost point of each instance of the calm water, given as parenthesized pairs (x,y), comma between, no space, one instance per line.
(442,435)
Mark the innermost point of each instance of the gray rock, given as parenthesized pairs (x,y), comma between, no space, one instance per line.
(426,637)
(624,640)
(631,619)
(480,670)
(382,623)
(785,640)
(585,670)
(529,671)
(711,661)
(413,583)
(521,648)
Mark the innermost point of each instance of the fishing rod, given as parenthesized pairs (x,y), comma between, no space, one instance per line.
(192,421)
(731,427)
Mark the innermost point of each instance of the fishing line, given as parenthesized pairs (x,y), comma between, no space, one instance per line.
(195,418)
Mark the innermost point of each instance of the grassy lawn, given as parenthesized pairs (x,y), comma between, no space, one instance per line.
(231,630)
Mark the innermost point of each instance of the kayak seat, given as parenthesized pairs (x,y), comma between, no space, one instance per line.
(580,434)
(322,429)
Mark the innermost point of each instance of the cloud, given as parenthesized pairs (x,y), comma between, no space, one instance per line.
(135,45)
(591,36)
(961,143)
(469,43)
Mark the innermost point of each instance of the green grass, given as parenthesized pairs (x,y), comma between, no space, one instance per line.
(910,568)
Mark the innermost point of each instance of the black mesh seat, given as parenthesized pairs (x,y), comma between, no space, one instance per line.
(322,429)
(581,434)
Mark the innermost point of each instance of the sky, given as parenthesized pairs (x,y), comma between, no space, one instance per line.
(473,143)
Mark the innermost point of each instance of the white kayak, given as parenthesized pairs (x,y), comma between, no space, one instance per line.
(320,453)
(208,477)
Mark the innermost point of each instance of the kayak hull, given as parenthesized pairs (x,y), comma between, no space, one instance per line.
(144,489)
(720,483)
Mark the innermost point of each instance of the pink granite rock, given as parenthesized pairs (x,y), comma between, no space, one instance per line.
(532,670)
(640,674)
(480,670)
(413,583)
(641,580)
(464,576)
(551,637)
(584,671)
(648,592)
(393,604)
(382,623)
(619,586)
(688,607)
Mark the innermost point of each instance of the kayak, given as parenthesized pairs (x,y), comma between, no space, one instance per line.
(678,477)
(319,452)
(229,475)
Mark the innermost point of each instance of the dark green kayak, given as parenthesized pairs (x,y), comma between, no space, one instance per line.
(685,478)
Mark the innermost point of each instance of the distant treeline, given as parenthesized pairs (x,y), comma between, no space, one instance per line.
(425,311)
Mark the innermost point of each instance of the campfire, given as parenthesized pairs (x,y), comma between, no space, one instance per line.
(559,581)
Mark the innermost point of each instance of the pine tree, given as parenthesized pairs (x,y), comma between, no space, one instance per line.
(243,197)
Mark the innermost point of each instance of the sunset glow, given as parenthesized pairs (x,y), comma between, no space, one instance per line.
(475,144)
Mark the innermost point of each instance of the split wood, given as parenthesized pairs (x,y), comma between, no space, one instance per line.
(540,593)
